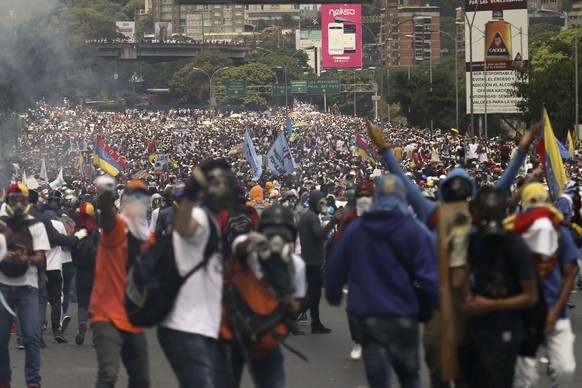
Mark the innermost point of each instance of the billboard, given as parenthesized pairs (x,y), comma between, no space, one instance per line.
(126,29)
(341,35)
(163,31)
(499,44)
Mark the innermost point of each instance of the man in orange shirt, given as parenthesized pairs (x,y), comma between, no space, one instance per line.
(123,237)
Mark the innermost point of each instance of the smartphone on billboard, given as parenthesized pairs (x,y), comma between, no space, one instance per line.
(335,38)
(349,38)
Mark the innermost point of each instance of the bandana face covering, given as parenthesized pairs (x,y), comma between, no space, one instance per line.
(134,209)
(363,205)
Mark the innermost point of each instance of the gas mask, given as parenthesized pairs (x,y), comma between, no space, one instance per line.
(456,189)
(17,206)
(220,194)
(490,207)
(277,265)
(363,205)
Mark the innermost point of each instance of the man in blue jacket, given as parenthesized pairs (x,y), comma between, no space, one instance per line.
(381,295)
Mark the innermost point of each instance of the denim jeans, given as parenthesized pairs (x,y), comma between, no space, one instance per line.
(190,355)
(84,284)
(68,275)
(390,343)
(269,371)
(112,344)
(24,301)
(54,289)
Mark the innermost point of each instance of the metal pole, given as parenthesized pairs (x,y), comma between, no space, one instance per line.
(382,96)
(388,91)
(354,88)
(430,72)
(485,84)
(576,129)
(471,97)
(456,84)
(286,87)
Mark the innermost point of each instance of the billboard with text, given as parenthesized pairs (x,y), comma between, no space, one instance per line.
(498,42)
(341,35)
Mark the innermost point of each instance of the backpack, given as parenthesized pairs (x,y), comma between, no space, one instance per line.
(84,254)
(19,240)
(259,206)
(237,224)
(252,316)
(153,280)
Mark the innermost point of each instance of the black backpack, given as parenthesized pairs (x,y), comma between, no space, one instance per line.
(84,254)
(238,223)
(153,280)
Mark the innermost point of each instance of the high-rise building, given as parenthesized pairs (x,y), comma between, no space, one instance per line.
(575,16)
(201,21)
(410,33)
(548,5)
(271,15)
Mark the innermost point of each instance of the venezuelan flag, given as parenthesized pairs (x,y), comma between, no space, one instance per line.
(551,159)
(570,144)
(107,159)
(362,149)
(152,151)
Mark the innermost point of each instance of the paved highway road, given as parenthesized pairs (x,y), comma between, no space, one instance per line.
(329,366)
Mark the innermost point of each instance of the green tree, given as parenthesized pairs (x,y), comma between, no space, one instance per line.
(255,74)
(192,86)
(549,81)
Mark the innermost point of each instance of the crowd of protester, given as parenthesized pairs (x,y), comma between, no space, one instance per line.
(360,191)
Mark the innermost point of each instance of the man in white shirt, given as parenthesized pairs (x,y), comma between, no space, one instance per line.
(25,242)
(189,332)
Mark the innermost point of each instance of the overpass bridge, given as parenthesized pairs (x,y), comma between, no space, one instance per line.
(157,52)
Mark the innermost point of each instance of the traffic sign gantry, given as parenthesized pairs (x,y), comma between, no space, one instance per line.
(236,88)
(317,87)
(279,89)
(299,86)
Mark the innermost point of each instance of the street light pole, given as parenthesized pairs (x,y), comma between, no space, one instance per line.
(456,76)
(285,64)
(211,101)
(424,41)
(576,129)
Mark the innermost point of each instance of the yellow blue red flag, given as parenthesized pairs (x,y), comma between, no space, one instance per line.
(551,159)
(362,149)
(107,159)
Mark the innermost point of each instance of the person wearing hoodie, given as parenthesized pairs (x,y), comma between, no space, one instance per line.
(312,236)
(364,198)
(381,295)
(257,197)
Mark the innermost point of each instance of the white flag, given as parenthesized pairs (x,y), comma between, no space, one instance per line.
(43,174)
(59,181)
(25,179)
(248,151)
(279,157)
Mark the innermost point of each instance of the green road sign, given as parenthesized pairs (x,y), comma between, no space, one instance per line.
(279,89)
(320,86)
(299,86)
(236,88)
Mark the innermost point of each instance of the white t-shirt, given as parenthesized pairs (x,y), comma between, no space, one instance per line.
(473,151)
(197,309)
(54,257)
(154,220)
(40,242)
